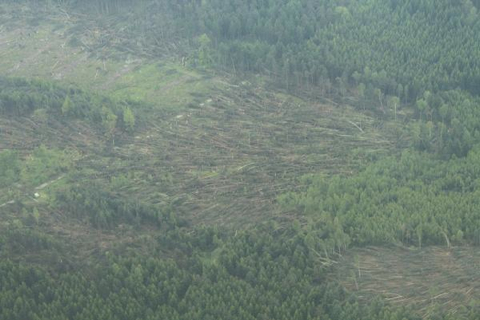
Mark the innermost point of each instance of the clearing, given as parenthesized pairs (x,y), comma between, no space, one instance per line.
(217,150)
(429,280)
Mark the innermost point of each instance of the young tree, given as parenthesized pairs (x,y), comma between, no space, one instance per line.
(379,95)
(128,119)
(204,52)
(393,102)
(109,122)
(67,105)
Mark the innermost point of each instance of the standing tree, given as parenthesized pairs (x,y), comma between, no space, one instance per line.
(393,102)
(67,105)
(204,52)
(109,122)
(128,119)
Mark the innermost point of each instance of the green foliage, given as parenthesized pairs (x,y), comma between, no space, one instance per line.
(204,51)
(386,44)
(256,275)
(20,97)
(413,200)
(67,105)
(129,119)
(43,164)
(9,168)
(103,208)
(37,168)
(451,123)
(417,52)
(109,121)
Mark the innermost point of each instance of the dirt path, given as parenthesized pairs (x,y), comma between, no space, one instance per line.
(38,188)
(7,203)
(117,75)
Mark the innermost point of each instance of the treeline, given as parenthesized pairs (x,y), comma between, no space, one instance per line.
(411,200)
(402,48)
(103,207)
(42,99)
(444,123)
(447,123)
(106,7)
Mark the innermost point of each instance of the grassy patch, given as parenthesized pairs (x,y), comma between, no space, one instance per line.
(168,86)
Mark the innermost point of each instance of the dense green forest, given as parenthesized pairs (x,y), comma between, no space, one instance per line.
(252,276)
(93,228)
(394,46)
(413,200)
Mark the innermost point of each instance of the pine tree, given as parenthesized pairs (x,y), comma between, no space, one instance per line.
(67,105)
(129,119)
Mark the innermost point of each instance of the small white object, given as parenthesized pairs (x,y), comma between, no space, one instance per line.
(36,195)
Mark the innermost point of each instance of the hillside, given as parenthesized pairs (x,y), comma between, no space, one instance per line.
(222,149)
(157,164)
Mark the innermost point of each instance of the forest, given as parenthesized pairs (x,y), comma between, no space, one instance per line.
(233,159)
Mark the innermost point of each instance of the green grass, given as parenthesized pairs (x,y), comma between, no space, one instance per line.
(168,86)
